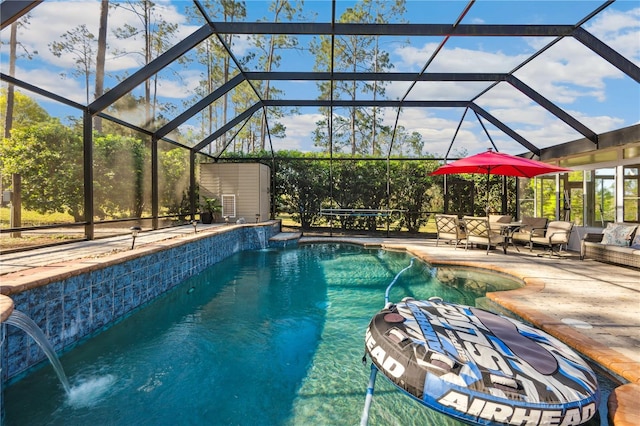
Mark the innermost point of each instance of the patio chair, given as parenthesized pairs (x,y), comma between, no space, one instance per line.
(530,225)
(556,234)
(495,219)
(449,228)
(479,232)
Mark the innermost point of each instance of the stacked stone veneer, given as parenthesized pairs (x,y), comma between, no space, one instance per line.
(79,306)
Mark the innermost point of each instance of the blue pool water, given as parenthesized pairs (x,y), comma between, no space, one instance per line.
(270,337)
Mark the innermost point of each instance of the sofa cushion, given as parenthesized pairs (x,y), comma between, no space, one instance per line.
(531,223)
(636,241)
(618,234)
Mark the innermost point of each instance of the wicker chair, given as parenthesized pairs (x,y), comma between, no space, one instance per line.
(449,228)
(556,234)
(479,232)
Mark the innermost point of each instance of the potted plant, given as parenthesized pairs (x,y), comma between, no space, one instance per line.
(210,207)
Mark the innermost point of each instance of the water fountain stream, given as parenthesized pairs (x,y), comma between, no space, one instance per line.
(26,324)
(262,237)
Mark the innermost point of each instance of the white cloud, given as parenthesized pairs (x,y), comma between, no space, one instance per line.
(51,19)
(530,115)
(503,95)
(564,71)
(553,133)
(54,83)
(457,59)
(437,132)
(241,44)
(446,90)
(569,70)
(299,131)
(620,30)
(599,123)
(179,87)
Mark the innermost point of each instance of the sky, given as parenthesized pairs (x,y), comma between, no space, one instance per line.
(568,74)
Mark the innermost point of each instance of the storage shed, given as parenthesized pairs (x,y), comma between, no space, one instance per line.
(244,190)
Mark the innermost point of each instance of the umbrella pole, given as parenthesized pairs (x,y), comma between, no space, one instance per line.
(488,207)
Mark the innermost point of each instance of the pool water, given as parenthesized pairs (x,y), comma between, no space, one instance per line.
(270,337)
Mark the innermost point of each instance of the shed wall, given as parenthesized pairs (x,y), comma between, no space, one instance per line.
(250,184)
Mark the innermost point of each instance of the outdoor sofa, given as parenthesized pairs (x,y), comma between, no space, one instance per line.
(618,243)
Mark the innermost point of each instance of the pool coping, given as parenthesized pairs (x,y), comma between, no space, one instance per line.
(29,278)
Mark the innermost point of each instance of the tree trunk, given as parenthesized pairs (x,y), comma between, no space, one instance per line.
(147,60)
(209,90)
(16,204)
(8,123)
(225,99)
(353,114)
(263,125)
(100,58)
(375,92)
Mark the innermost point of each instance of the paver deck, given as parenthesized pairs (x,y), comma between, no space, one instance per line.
(23,260)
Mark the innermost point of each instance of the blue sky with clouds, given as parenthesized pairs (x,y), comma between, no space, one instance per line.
(569,74)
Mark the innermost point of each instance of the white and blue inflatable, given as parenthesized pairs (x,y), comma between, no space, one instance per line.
(479,367)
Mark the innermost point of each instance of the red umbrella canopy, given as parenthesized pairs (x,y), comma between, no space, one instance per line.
(497,163)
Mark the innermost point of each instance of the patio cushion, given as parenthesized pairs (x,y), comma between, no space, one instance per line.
(617,234)
(449,228)
(557,232)
(478,231)
(531,223)
(498,218)
(636,241)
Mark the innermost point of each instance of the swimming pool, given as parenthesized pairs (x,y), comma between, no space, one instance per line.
(268,337)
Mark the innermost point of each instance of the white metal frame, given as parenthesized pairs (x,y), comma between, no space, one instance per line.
(228,205)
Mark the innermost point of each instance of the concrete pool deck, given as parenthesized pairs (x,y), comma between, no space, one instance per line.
(591,306)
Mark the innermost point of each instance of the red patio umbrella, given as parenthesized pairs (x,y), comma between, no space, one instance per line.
(497,163)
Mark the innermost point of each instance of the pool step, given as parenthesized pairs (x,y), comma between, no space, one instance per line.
(285,239)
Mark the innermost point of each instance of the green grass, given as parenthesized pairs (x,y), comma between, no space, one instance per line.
(287,221)
(31,218)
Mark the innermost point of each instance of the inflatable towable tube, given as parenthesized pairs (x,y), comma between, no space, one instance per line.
(479,367)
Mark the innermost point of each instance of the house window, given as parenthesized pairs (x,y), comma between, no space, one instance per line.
(631,197)
(605,196)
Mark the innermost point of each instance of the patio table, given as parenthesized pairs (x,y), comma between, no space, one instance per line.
(508,229)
